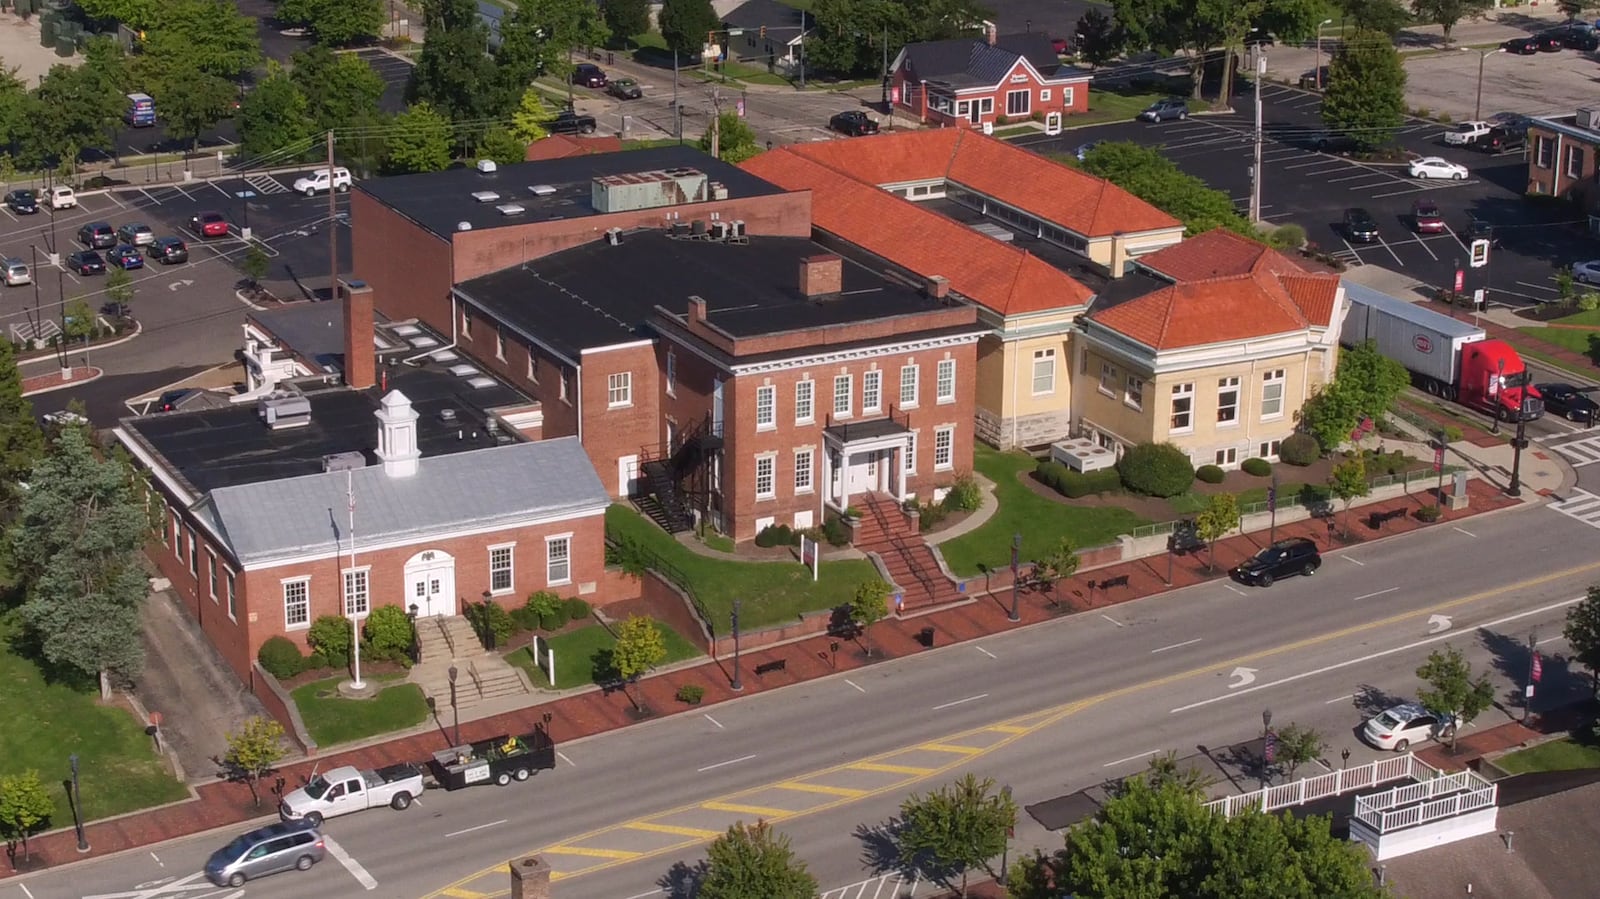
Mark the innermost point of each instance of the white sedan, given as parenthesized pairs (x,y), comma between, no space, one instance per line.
(1586,272)
(1465,133)
(1436,167)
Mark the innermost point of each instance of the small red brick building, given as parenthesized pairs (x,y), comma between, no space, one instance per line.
(992,80)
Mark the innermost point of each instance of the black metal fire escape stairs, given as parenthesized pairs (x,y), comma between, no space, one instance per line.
(675,482)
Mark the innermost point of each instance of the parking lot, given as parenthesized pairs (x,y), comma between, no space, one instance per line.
(1313,189)
(395,72)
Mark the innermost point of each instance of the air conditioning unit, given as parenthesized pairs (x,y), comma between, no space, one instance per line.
(614,236)
(719,230)
(487,166)
(1589,118)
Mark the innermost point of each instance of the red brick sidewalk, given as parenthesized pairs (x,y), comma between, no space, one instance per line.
(1472,747)
(81,374)
(595,712)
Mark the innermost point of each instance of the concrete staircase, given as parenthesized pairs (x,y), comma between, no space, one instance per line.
(480,675)
(914,570)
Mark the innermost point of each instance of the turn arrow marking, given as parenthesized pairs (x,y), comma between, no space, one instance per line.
(1242,677)
(1438,624)
(177,284)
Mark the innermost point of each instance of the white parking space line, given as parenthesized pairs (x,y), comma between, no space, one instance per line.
(1379,593)
(150,196)
(220,190)
(1178,645)
(1396,256)
(1340,698)
(1131,758)
(350,864)
(1424,245)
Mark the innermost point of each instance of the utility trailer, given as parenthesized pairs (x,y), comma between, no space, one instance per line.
(498,760)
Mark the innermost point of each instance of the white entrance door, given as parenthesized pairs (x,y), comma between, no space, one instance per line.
(627,475)
(431,583)
(863,473)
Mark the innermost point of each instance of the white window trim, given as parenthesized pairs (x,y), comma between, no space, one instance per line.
(1066,96)
(626,389)
(511,587)
(1238,400)
(1275,377)
(553,538)
(466,324)
(772,493)
(771,394)
(939,397)
(177,537)
(1128,399)
(1174,397)
(915,384)
(1048,355)
(193,560)
(875,378)
(500,345)
(533,366)
(345,590)
(1044,95)
(1108,372)
(1027,101)
(949,430)
(231,579)
(284,584)
(211,575)
(811,402)
(849,396)
(810,470)
(672,372)
(911,452)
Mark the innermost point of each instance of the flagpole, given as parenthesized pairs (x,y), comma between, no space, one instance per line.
(355,622)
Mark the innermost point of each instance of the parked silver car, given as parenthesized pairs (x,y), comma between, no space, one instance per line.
(269,850)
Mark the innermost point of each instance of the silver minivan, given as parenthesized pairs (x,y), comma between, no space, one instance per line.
(274,848)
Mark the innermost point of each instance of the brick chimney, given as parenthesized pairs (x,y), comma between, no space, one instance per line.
(697,310)
(360,360)
(938,287)
(821,275)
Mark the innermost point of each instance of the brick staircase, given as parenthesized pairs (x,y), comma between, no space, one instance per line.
(884,529)
(480,675)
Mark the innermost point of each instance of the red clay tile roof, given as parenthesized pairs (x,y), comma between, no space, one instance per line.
(1058,193)
(560,146)
(1216,253)
(994,274)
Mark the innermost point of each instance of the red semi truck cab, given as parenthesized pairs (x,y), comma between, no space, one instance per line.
(1494,379)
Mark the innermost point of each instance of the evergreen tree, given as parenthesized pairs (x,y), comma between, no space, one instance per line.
(21,441)
(1366,90)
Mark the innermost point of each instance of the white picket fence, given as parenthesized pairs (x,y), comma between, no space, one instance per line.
(1415,804)
(1310,789)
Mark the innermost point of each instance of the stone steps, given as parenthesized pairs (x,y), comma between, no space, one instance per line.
(480,675)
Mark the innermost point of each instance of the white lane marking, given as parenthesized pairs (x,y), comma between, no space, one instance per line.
(1551,639)
(1234,589)
(25,891)
(458,833)
(1468,533)
(563,757)
(714,721)
(160,888)
(961,701)
(1357,561)
(350,864)
(1340,698)
(1176,645)
(986,652)
(157,858)
(647,895)
(1377,655)
(1242,676)
(742,758)
(1438,624)
(854,684)
(1379,593)
(1131,758)
(1113,621)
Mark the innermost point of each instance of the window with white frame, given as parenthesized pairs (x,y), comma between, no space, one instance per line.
(910,380)
(233,596)
(356,594)
(500,345)
(871,391)
(558,560)
(1574,161)
(961,107)
(297,603)
(1182,408)
(1543,147)
(1272,394)
(619,389)
(802,471)
(766,408)
(1044,372)
(944,381)
(501,570)
(841,396)
(1066,96)
(211,574)
(944,448)
(1108,379)
(1227,401)
(1133,393)
(911,453)
(672,373)
(194,554)
(177,537)
(987,106)
(766,480)
(1017,102)
(1044,95)
(466,323)
(566,385)
(803,406)
(1269,450)
(1226,457)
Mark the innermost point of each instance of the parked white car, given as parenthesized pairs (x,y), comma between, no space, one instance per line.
(1586,272)
(63,198)
(1465,133)
(320,181)
(1438,167)
(1405,725)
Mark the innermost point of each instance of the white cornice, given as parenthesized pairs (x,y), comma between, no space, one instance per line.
(866,352)
(1206,356)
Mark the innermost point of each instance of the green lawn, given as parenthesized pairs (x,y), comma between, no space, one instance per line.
(1040,521)
(1557,755)
(1590,319)
(1552,361)
(773,592)
(332,719)
(583,656)
(1567,338)
(1112,106)
(46,721)
(649,142)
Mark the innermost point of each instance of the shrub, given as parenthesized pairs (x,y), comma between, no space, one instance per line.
(1210,474)
(1429,513)
(543,604)
(1256,467)
(489,617)
(1287,237)
(691,693)
(330,635)
(1050,473)
(1299,449)
(835,531)
(524,619)
(1075,484)
(280,657)
(553,621)
(775,535)
(1589,301)
(577,609)
(965,494)
(338,660)
(1156,469)
(388,631)
(314,662)
(1452,434)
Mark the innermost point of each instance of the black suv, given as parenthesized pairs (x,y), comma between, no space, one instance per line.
(1297,555)
(1572,37)
(1360,226)
(569,122)
(1500,140)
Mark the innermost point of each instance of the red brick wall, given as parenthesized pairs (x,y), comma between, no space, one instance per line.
(408,267)
(911,101)
(812,339)
(611,433)
(560,415)
(1552,179)
(689,403)
(230,637)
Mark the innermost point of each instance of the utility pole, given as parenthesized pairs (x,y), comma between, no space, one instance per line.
(677,111)
(716,123)
(333,227)
(802,49)
(1255,170)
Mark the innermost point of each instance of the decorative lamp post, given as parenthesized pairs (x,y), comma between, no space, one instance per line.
(77,805)
(1016,591)
(454,711)
(738,684)
(1266,721)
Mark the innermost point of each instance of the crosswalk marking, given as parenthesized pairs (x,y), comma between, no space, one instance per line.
(1580,452)
(266,184)
(1582,505)
(824,789)
(897,885)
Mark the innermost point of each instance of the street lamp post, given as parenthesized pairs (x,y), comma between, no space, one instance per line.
(455,712)
(1477,107)
(738,684)
(77,805)
(1325,23)
(1344,757)
(1016,589)
(1517,446)
(1266,722)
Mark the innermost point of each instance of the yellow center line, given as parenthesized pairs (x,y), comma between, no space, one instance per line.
(821,788)
(675,830)
(1015,729)
(587,852)
(946,747)
(458,893)
(759,811)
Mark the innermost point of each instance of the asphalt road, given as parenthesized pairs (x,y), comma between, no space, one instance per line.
(1049,710)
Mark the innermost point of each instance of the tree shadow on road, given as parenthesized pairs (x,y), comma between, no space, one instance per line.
(1370,700)
(683,881)
(880,847)
(1558,679)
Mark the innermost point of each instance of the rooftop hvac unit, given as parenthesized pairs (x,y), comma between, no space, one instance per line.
(447,415)
(541,190)
(1589,118)
(463,226)
(485,196)
(487,166)
(510,209)
(698,228)
(344,461)
(284,411)
(719,191)
(719,230)
(738,227)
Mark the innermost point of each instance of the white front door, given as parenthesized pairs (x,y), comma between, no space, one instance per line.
(862,473)
(627,475)
(431,583)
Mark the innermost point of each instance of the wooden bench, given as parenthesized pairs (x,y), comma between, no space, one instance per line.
(1120,580)
(769,667)
(1378,519)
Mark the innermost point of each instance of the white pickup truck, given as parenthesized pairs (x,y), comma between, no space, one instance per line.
(346,790)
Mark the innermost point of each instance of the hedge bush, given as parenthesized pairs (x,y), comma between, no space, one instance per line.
(836,531)
(1256,467)
(524,619)
(691,694)
(1210,474)
(1050,473)
(544,604)
(1075,484)
(1299,449)
(965,495)
(577,609)
(930,515)
(388,631)
(489,617)
(1156,469)
(330,635)
(280,657)
(775,535)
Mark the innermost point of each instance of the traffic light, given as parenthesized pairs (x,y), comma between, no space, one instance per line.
(763,32)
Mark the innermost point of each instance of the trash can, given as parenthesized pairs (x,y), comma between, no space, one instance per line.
(65,46)
(47,32)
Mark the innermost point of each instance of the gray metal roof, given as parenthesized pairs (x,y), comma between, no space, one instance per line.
(973,62)
(499,486)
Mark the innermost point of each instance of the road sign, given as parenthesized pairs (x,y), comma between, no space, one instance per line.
(739,105)
(1272,748)
(1461,280)
(1480,253)
(1538,668)
(1438,458)
(1478,297)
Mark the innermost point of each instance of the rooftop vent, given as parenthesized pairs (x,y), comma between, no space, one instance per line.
(1589,118)
(614,236)
(485,196)
(344,461)
(480,382)
(423,341)
(487,166)
(719,191)
(407,330)
(541,190)
(447,415)
(510,209)
(719,230)
(463,226)
(282,411)
(445,356)
(463,370)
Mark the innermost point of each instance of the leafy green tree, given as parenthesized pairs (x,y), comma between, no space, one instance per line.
(69,111)
(1299,745)
(527,123)
(499,144)
(210,36)
(341,90)
(1165,769)
(136,14)
(1365,385)
(1145,173)
(1100,39)
(105,72)
(14,102)
(335,22)
(455,67)
(1582,629)
(869,604)
(1452,689)
(25,808)
(1219,518)
(755,862)
(639,648)
(254,753)
(1060,563)
(1347,482)
(119,290)
(78,320)
(76,547)
(1365,96)
(275,117)
(685,25)
(538,38)
(626,18)
(21,441)
(192,101)
(1382,16)
(735,141)
(254,265)
(419,141)
(847,36)
(1447,13)
(957,827)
